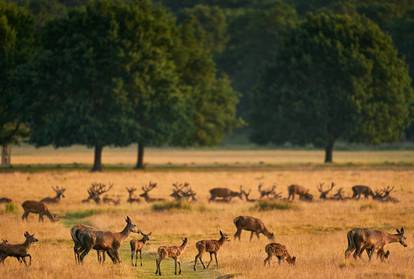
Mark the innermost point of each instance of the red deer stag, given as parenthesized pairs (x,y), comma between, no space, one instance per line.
(325,192)
(37,207)
(358,190)
(251,224)
(95,191)
(77,248)
(19,251)
(136,247)
(267,193)
(56,199)
(303,193)
(225,194)
(280,252)
(131,198)
(209,246)
(371,241)
(383,195)
(146,190)
(183,192)
(173,252)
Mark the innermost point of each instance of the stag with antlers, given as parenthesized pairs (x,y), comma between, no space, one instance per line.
(268,193)
(325,192)
(131,198)
(95,192)
(383,195)
(182,192)
(56,199)
(148,188)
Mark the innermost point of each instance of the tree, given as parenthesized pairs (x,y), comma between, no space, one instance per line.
(336,77)
(96,76)
(16,49)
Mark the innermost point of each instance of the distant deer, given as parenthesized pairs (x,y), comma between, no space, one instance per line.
(5,200)
(109,200)
(19,251)
(252,224)
(225,194)
(136,247)
(371,241)
(106,241)
(56,199)
(280,252)
(173,252)
(303,193)
(383,195)
(131,198)
(339,195)
(325,192)
(209,246)
(95,191)
(146,190)
(359,190)
(183,192)
(266,193)
(37,207)
(246,196)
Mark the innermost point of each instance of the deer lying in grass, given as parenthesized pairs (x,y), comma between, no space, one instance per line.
(225,194)
(280,252)
(37,207)
(56,199)
(173,252)
(146,190)
(209,246)
(109,200)
(131,198)
(383,195)
(183,192)
(252,224)
(19,251)
(5,200)
(371,241)
(303,193)
(359,190)
(325,192)
(136,247)
(95,191)
(105,241)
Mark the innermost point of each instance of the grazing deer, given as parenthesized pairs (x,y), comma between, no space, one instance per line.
(19,251)
(5,200)
(131,198)
(105,241)
(146,190)
(325,192)
(371,241)
(173,252)
(137,245)
(56,199)
(37,207)
(209,246)
(303,193)
(359,190)
(266,193)
(254,225)
(95,191)
(225,194)
(280,252)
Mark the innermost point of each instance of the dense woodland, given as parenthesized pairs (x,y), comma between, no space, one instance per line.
(186,73)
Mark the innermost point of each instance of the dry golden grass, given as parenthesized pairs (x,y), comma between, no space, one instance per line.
(314,232)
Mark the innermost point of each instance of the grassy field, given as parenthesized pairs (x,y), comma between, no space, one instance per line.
(314,232)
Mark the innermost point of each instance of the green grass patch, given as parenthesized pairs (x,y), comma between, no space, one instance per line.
(171,205)
(274,205)
(10,208)
(73,217)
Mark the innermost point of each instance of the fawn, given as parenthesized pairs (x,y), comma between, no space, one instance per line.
(280,252)
(137,245)
(173,252)
(210,246)
(19,251)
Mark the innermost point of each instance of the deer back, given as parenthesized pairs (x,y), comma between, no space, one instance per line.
(34,207)
(297,189)
(220,192)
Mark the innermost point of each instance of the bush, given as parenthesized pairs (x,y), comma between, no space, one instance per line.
(274,205)
(11,208)
(171,205)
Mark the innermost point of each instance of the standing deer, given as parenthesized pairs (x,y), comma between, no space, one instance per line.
(56,199)
(105,241)
(131,198)
(209,246)
(37,207)
(146,190)
(19,251)
(371,241)
(303,193)
(254,225)
(280,252)
(266,193)
(325,192)
(225,194)
(136,247)
(5,200)
(359,190)
(173,252)
(77,247)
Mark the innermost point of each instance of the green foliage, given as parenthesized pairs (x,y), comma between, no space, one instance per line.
(171,205)
(10,208)
(274,205)
(336,77)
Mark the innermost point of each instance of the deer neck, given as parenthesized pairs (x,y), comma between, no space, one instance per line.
(143,240)
(182,246)
(26,244)
(221,241)
(124,233)
(390,238)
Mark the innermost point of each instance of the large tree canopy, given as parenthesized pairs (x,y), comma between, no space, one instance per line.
(336,77)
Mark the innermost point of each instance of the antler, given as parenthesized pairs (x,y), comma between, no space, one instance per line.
(131,189)
(149,187)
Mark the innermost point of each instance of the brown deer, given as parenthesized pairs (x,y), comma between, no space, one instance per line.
(339,195)
(225,194)
(358,190)
(303,193)
(325,192)
(77,248)
(95,191)
(109,200)
(56,199)
(173,252)
(131,198)
(246,196)
(5,200)
(37,207)
(360,239)
(383,195)
(146,190)
(266,193)
(252,224)
(183,192)
(105,241)
(280,252)
(136,247)
(19,251)
(209,246)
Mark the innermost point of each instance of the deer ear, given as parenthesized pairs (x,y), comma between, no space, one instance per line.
(398,231)
(402,230)
(149,234)
(221,233)
(26,234)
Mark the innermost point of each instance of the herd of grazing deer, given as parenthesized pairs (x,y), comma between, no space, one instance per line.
(86,238)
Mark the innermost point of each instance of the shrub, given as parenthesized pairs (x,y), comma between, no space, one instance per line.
(11,208)
(171,205)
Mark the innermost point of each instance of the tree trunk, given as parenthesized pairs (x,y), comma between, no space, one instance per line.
(6,155)
(140,159)
(328,153)
(97,163)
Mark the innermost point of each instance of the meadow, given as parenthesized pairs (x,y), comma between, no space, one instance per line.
(313,232)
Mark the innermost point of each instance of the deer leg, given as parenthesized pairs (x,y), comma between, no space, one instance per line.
(140,257)
(237,234)
(41,217)
(215,256)
(257,235)
(267,260)
(25,215)
(84,253)
(158,264)
(132,257)
(175,266)
(179,266)
(279,260)
(251,236)
(211,258)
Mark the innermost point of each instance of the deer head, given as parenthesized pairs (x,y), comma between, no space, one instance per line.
(401,237)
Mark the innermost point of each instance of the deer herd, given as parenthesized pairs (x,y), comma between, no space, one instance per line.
(86,238)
